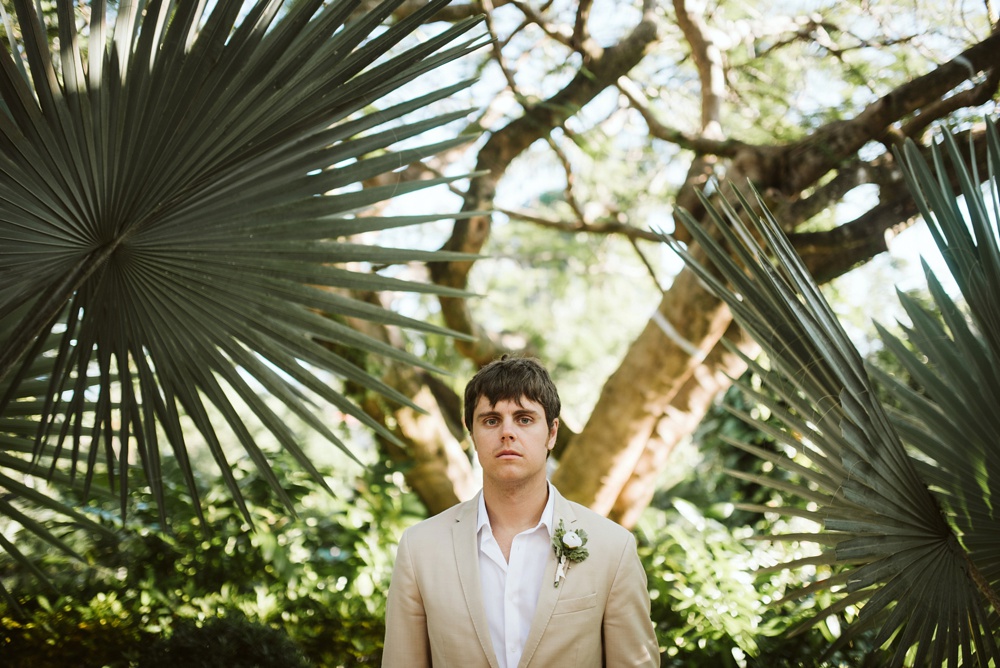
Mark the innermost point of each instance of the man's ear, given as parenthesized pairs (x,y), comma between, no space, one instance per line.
(552,434)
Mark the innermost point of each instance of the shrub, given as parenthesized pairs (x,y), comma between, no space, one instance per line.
(231,640)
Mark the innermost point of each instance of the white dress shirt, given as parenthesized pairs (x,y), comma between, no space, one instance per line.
(510,590)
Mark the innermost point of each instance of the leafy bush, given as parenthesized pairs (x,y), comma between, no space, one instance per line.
(716,602)
(60,634)
(231,641)
(320,576)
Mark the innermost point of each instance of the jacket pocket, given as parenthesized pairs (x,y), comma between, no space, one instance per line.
(568,605)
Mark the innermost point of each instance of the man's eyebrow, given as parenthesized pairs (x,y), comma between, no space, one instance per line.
(519,411)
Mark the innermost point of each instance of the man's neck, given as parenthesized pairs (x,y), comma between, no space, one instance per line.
(515,508)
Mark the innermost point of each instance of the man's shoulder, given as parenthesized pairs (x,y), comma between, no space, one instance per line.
(442,522)
(595,522)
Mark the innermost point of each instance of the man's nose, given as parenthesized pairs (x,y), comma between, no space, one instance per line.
(507,430)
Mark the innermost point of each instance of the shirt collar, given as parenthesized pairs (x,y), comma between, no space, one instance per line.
(547,520)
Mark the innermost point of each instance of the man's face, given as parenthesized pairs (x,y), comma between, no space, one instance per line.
(512,439)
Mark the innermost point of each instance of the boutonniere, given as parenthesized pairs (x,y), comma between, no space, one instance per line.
(569,546)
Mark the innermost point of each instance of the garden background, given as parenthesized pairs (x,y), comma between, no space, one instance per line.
(251,252)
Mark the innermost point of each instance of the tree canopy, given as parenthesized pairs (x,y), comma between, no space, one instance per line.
(601,121)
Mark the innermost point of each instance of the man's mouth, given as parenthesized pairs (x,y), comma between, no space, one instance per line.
(505,454)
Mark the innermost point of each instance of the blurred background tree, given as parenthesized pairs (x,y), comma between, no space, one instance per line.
(600,119)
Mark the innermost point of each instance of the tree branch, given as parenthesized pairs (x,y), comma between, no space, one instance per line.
(599,227)
(834,252)
(560,34)
(708,59)
(727,148)
(973,97)
(451,13)
(581,35)
(805,161)
(571,200)
(510,141)
(881,171)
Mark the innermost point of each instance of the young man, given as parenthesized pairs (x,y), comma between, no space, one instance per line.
(517,576)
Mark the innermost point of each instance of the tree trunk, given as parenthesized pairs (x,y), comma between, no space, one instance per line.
(599,461)
(682,417)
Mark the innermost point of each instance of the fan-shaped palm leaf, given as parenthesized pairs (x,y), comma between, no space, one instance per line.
(914,536)
(22,499)
(178,183)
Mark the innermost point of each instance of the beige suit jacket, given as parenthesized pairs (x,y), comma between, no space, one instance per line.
(598,616)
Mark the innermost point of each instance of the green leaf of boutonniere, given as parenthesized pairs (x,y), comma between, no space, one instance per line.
(569,546)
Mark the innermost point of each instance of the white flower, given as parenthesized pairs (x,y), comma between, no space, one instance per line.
(569,547)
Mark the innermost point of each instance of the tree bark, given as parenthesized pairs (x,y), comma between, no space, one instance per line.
(599,461)
(681,418)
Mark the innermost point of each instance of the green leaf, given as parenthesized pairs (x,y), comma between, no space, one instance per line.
(182,188)
(907,496)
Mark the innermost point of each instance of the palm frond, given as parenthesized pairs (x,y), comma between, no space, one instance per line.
(180,184)
(23,499)
(906,498)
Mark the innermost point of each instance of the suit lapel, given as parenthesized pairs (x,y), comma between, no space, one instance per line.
(467,559)
(549,595)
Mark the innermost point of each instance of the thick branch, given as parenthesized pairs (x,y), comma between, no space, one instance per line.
(688,322)
(507,143)
(881,171)
(832,253)
(791,168)
(805,161)
(973,97)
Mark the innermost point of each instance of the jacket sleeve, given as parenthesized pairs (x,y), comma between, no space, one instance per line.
(406,640)
(629,637)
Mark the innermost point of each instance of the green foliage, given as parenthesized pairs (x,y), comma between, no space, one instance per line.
(717,599)
(181,191)
(904,490)
(706,485)
(320,576)
(714,604)
(58,634)
(230,641)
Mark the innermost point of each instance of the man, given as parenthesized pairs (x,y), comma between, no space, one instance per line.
(481,584)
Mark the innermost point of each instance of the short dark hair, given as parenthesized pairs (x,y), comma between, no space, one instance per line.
(511,378)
